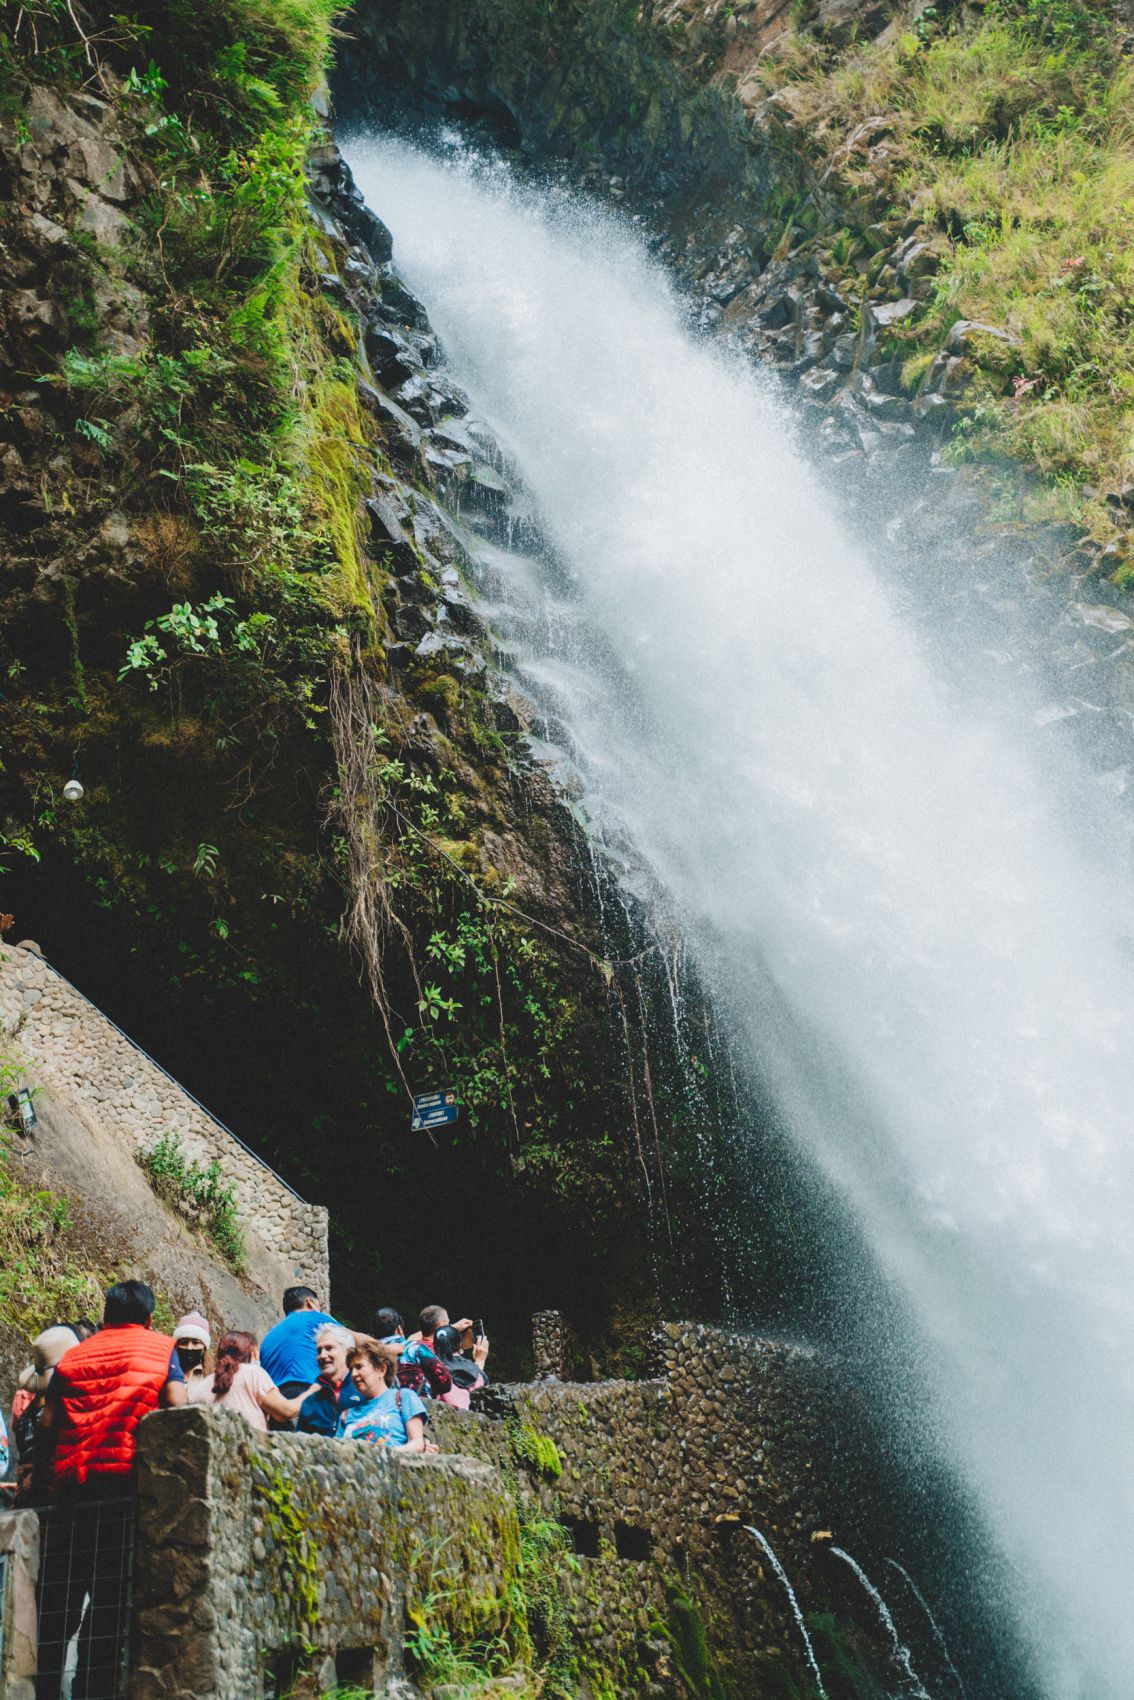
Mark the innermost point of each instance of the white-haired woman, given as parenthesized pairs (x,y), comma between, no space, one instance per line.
(336,1392)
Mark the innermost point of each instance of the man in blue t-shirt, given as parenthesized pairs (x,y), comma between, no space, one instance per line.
(287,1351)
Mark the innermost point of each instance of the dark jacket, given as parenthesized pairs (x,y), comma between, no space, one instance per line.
(320,1411)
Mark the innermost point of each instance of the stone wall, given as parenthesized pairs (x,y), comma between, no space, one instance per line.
(77,1053)
(249,1546)
(19,1564)
(284,1564)
(657,1479)
(265,1562)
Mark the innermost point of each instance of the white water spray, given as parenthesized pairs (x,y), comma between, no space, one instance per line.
(901,1652)
(900,867)
(808,1649)
(933,1623)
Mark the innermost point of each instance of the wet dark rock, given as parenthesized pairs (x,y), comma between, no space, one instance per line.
(441,643)
(946,376)
(443,461)
(886,375)
(842,351)
(388,536)
(883,406)
(405,430)
(775,314)
(397,305)
(331,181)
(428,399)
(829,299)
(820,382)
(413,622)
(390,352)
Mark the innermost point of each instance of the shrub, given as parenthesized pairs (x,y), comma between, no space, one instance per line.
(197,1191)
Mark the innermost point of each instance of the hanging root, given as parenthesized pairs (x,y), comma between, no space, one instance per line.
(370,919)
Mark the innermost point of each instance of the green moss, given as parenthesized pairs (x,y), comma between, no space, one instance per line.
(199,1190)
(539,1451)
(295,1546)
(685,1629)
(45,1271)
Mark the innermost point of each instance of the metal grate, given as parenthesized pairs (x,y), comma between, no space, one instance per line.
(85,1593)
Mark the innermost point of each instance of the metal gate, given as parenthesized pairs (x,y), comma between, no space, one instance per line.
(85,1595)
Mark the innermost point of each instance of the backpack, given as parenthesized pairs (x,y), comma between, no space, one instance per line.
(424,1373)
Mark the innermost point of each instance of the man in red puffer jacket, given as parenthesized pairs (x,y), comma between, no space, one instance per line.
(84,1463)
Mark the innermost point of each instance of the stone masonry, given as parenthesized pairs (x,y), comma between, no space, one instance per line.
(286,1564)
(19,1562)
(267,1561)
(80,1054)
(657,1481)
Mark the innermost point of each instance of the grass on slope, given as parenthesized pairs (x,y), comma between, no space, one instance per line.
(44,1277)
(1012,141)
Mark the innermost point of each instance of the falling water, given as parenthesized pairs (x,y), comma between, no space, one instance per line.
(933,1623)
(920,931)
(901,1651)
(794,1603)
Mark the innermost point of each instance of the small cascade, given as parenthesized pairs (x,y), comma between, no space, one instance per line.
(933,1624)
(901,1651)
(794,1603)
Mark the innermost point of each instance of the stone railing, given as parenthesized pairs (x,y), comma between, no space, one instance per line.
(271,1565)
(287,1564)
(80,1054)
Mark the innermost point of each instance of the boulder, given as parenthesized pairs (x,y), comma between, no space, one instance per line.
(966,335)
(107,224)
(919,261)
(888,313)
(820,382)
(37,318)
(843,21)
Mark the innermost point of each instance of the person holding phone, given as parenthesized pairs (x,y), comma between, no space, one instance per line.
(463,1349)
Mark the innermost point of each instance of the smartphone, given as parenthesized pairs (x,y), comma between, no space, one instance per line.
(478,1329)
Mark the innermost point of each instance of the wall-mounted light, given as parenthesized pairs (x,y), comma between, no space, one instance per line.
(73,791)
(23,1110)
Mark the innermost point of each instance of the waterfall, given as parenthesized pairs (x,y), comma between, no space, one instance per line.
(917,926)
(901,1652)
(794,1603)
(933,1624)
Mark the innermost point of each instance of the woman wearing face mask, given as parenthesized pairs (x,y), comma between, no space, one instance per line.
(192,1339)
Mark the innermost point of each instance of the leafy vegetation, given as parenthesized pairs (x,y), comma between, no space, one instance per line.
(198,1191)
(258,787)
(546,1556)
(44,1277)
(538,1450)
(1010,145)
(685,1631)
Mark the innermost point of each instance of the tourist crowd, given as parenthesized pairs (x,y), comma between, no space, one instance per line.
(76,1413)
(85,1391)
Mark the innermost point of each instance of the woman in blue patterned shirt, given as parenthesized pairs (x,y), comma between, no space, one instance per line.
(389,1415)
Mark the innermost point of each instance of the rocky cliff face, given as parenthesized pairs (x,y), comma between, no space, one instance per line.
(314,865)
(814,208)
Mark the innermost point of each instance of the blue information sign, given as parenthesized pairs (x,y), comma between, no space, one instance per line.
(434,1109)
